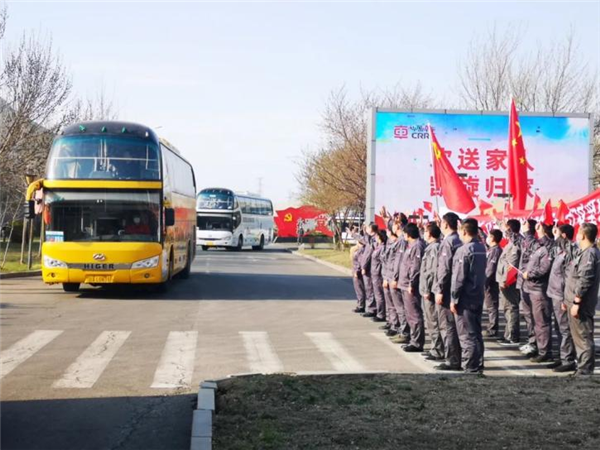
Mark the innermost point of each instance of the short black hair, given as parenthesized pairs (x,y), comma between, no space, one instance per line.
(373,227)
(470,227)
(433,230)
(567,230)
(532,223)
(590,231)
(382,235)
(547,230)
(403,219)
(514,225)
(452,220)
(496,235)
(412,230)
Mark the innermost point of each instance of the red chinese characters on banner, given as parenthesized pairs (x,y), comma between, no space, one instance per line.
(496,159)
(313,221)
(468,159)
(495,186)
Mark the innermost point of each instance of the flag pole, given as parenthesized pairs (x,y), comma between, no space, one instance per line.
(437,206)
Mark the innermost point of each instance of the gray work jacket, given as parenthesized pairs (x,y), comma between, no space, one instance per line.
(538,267)
(582,278)
(529,244)
(468,274)
(511,255)
(428,268)
(411,266)
(443,273)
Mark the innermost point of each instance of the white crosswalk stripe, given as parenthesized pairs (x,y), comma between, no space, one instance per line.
(260,353)
(415,358)
(176,365)
(22,350)
(335,352)
(88,367)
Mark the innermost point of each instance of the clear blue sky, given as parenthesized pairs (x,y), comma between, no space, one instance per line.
(239,87)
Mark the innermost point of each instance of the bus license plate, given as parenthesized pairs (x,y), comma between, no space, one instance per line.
(99,279)
(210,243)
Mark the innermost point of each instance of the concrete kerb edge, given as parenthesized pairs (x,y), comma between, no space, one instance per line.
(341,269)
(203,416)
(32,273)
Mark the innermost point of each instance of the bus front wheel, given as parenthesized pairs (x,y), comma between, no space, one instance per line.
(205,248)
(260,246)
(70,287)
(185,273)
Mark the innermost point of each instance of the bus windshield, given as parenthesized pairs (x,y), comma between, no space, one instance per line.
(103,157)
(215,223)
(215,199)
(93,216)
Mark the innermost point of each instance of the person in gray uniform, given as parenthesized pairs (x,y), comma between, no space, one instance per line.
(535,283)
(389,259)
(403,336)
(357,278)
(408,282)
(377,276)
(581,296)
(441,289)
(467,291)
(509,295)
(564,251)
(365,267)
(492,290)
(432,235)
(529,244)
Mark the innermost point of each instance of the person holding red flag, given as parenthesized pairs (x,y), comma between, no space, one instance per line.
(453,190)
(517,161)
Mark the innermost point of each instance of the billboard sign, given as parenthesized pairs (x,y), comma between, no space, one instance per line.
(400,167)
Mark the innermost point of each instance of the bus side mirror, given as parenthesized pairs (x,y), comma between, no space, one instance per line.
(169,217)
(29,209)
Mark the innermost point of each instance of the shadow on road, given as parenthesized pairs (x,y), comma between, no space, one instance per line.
(163,422)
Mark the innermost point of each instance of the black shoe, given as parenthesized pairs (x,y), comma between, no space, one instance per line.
(430,357)
(387,326)
(445,366)
(425,353)
(507,343)
(473,371)
(368,314)
(554,364)
(412,349)
(358,310)
(567,367)
(391,333)
(541,359)
(377,319)
(532,355)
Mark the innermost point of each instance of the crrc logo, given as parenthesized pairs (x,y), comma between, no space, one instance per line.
(414,131)
(401,132)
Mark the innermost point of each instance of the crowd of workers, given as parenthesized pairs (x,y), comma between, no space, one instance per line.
(437,278)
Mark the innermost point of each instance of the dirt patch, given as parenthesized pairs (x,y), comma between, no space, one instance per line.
(407,411)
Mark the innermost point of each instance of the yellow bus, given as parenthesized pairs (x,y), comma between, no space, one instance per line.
(119,207)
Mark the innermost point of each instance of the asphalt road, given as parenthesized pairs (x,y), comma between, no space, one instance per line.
(119,368)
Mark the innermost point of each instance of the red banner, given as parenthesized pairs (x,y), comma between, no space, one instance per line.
(314,221)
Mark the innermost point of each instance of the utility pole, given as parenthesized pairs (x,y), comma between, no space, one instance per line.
(260,186)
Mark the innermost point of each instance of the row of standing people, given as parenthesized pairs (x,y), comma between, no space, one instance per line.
(438,279)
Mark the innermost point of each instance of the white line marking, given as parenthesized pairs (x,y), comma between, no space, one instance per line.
(22,350)
(90,365)
(337,355)
(260,353)
(415,358)
(176,365)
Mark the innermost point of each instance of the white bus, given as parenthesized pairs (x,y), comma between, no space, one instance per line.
(233,220)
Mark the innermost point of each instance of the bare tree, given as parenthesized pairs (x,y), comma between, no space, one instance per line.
(3,19)
(98,107)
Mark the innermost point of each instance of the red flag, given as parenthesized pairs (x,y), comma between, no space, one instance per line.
(511,276)
(537,201)
(484,206)
(428,206)
(548,217)
(517,161)
(380,222)
(562,211)
(453,190)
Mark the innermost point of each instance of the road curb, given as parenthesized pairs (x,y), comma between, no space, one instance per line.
(31,273)
(341,269)
(203,417)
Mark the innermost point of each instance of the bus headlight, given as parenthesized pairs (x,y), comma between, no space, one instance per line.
(52,263)
(146,263)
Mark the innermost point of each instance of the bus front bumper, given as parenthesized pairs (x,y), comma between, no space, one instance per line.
(137,276)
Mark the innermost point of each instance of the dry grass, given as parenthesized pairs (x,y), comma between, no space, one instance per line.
(14,255)
(407,411)
(341,258)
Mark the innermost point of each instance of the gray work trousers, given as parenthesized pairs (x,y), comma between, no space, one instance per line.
(492,302)
(414,317)
(541,310)
(563,333)
(391,314)
(359,288)
(468,325)
(379,296)
(527,311)
(509,301)
(370,305)
(582,330)
(432,326)
(403,329)
(452,351)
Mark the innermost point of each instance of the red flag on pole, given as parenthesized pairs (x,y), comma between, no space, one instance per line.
(517,161)
(484,206)
(428,206)
(453,190)
(548,217)
(562,211)
(511,276)
(537,201)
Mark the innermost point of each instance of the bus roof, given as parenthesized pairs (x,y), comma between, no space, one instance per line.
(110,127)
(238,193)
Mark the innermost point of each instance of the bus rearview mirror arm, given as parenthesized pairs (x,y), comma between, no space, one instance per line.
(169,217)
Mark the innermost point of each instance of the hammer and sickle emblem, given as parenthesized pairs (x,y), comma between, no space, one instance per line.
(288,217)
(436,151)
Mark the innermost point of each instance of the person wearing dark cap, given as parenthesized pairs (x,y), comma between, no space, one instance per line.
(509,295)
(441,289)
(432,235)
(581,296)
(492,290)
(564,251)
(467,287)
(529,244)
(409,284)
